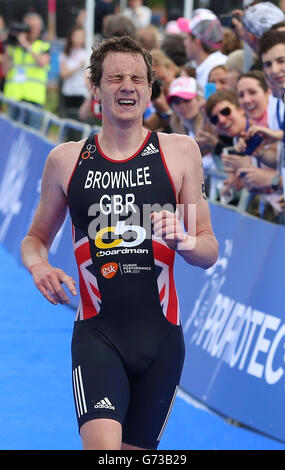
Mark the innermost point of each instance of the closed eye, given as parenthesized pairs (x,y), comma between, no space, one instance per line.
(120,77)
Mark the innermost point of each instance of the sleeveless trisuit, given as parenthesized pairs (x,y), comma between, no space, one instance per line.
(127,345)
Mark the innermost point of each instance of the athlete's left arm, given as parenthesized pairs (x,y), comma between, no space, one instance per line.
(197,244)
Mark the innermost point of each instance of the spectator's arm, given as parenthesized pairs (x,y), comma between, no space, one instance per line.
(42,59)
(66,72)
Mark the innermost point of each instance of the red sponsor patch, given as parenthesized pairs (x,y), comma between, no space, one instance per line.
(109,270)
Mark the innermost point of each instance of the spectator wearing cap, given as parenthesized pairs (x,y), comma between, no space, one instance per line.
(185,103)
(256,20)
(204,35)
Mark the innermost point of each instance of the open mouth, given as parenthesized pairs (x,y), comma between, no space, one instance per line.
(250,108)
(227,126)
(279,80)
(126,102)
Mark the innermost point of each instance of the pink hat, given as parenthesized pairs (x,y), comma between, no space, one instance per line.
(183,87)
(172,28)
(205,26)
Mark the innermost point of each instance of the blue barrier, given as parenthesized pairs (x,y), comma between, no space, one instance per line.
(232,313)
(234,323)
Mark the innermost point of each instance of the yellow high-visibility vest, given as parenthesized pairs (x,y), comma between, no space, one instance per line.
(26,80)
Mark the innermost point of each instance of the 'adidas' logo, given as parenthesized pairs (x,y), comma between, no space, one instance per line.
(149,150)
(105,403)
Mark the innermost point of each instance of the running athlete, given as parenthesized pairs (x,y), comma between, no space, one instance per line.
(126,189)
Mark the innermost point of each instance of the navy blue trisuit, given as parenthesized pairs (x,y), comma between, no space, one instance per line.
(127,344)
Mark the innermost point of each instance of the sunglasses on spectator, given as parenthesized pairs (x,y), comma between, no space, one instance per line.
(214,119)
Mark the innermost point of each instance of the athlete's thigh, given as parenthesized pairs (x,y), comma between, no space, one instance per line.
(153,394)
(100,383)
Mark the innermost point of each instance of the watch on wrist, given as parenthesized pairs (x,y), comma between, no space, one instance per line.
(275,181)
(166,115)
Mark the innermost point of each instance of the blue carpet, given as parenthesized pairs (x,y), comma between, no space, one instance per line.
(36,402)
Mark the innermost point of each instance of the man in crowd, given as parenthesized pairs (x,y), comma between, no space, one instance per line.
(204,35)
(256,20)
(27,63)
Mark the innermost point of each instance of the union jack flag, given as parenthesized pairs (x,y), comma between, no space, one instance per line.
(90,297)
(164,261)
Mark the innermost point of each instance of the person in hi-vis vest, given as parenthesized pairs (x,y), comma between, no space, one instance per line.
(27,64)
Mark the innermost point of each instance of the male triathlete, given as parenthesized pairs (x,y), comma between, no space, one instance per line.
(123,188)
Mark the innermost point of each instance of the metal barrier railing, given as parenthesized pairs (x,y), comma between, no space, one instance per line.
(43,121)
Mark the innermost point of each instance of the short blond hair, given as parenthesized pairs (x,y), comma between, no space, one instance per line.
(160,58)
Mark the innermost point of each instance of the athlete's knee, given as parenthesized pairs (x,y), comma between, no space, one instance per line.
(101,434)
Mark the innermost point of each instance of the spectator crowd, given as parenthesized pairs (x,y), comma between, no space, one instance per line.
(223,85)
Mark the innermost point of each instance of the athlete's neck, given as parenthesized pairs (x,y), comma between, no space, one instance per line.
(119,143)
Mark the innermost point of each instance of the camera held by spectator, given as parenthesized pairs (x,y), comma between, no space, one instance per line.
(15,29)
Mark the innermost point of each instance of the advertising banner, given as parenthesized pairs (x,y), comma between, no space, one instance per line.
(22,160)
(234,323)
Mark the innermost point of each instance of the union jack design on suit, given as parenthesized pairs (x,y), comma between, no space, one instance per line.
(90,297)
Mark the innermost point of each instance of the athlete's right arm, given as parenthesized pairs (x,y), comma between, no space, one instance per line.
(48,218)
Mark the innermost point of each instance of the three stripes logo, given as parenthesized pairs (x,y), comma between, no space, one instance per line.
(79,395)
(105,403)
(149,150)
(79,392)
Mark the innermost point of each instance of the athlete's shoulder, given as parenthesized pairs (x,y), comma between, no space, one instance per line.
(62,155)
(66,150)
(61,161)
(179,144)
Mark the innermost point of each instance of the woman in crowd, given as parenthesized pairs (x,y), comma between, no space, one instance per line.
(218,76)
(73,62)
(185,102)
(165,72)
(255,99)
(227,119)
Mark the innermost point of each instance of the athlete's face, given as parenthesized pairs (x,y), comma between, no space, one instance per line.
(124,89)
